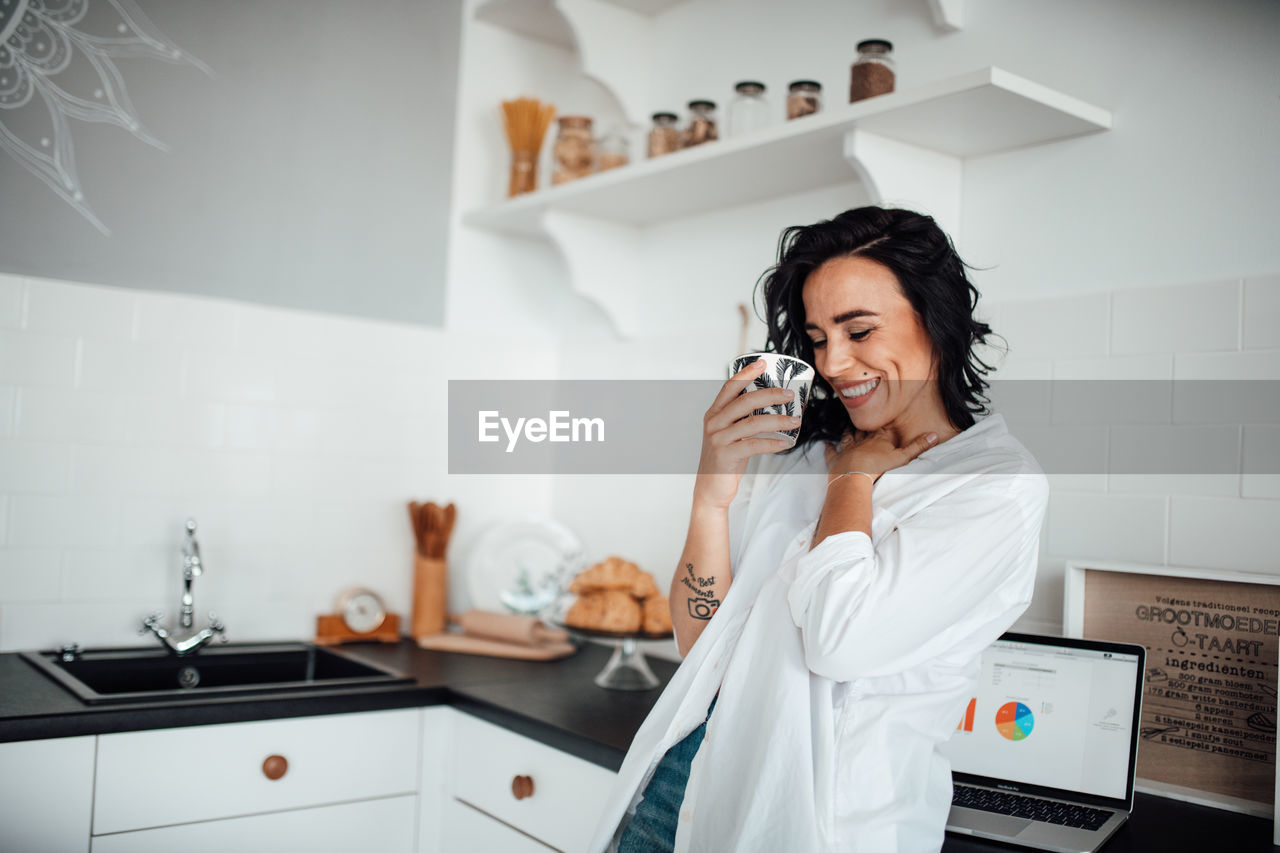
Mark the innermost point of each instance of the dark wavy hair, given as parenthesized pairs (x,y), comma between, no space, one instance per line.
(932,278)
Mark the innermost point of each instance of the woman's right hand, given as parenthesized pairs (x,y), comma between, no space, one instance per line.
(728,430)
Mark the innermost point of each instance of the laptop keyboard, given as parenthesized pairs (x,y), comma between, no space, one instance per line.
(1035,808)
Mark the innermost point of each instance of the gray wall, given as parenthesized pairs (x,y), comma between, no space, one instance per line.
(312,170)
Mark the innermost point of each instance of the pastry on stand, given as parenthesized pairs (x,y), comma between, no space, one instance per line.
(618,602)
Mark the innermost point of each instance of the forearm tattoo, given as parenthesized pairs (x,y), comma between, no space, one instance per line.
(704,603)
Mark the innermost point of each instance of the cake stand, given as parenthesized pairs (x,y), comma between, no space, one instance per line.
(627,669)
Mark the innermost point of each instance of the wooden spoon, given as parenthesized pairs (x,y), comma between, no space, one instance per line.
(450,516)
(415,524)
(435,523)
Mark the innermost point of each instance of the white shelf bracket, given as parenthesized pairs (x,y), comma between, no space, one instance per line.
(604,265)
(898,174)
(615,47)
(948,14)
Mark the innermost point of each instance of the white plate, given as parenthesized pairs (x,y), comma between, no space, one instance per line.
(521,566)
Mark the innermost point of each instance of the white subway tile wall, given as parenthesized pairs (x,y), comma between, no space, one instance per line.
(29,574)
(1075,326)
(35,466)
(1204,331)
(294,439)
(11,288)
(8,406)
(72,309)
(1261,308)
(37,360)
(1250,364)
(1260,443)
(1203,529)
(1176,319)
(1126,528)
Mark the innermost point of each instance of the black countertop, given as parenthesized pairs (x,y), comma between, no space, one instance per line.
(554,702)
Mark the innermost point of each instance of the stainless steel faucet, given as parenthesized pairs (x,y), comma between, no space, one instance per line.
(183,640)
(191,569)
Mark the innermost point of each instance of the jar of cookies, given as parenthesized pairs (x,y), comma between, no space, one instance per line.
(573,150)
(665,136)
(872,73)
(804,97)
(702,123)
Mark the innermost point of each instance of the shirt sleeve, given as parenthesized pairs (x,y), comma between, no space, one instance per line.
(963,563)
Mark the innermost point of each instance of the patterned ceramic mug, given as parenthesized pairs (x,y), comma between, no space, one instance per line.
(781,371)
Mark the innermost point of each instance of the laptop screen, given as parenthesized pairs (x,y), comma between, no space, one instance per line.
(1052,712)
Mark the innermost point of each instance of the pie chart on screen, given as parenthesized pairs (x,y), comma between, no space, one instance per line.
(1014,720)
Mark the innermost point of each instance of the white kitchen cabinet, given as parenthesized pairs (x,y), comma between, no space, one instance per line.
(204,773)
(469,830)
(385,824)
(430,779)
(46,794)
(565,795)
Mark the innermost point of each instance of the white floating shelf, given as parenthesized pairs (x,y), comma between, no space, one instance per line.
(973,114)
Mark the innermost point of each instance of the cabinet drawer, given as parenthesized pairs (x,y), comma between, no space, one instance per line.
(568,793)
(46,794)
(469,831)
(384,825)
(156,778)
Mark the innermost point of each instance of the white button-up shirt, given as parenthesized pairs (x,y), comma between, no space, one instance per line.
(841,669)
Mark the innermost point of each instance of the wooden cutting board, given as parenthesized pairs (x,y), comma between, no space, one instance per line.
(495,648)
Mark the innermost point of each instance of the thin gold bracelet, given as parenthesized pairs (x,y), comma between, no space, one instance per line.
(871,477)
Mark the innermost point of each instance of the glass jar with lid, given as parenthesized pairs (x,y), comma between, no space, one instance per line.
(665,136)
(804,97)
(702,124)
(612,150)
(573,151)
(873,72)
(749,110)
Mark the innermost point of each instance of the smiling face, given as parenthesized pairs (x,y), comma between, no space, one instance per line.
(868,343)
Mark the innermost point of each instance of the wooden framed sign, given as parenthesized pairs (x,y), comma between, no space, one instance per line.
(1208,731)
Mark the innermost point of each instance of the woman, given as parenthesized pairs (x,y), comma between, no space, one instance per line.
(847,588)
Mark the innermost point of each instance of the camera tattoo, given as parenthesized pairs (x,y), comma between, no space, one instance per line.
(704,603)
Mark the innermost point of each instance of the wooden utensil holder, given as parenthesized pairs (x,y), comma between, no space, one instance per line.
(430,596)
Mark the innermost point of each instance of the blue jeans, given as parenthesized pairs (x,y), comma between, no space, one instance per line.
(653,828)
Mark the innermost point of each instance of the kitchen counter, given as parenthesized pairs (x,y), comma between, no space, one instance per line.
(554,702)
(551,701)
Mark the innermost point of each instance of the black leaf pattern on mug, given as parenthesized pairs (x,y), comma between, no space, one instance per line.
(801,397)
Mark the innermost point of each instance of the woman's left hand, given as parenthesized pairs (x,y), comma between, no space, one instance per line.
(875,452)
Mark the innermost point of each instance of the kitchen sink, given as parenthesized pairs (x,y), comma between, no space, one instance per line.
(105,676)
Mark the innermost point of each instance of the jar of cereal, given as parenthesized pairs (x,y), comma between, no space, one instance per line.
(574,149)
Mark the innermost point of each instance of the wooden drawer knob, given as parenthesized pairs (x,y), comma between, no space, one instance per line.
(522,786)
(275,767)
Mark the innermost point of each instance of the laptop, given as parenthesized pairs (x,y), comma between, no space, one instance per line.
(1044,755)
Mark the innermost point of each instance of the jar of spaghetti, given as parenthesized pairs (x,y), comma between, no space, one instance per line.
(804,97)
(665,136)
(872,73)
(574,149)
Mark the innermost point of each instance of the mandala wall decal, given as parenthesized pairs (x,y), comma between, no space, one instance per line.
(56,64)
